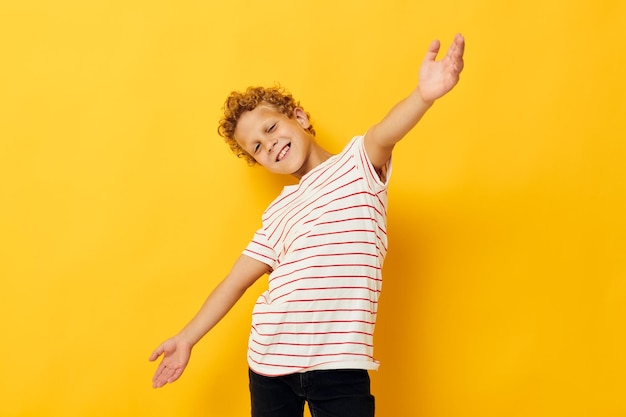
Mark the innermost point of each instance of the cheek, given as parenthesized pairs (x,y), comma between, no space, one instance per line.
(264,161)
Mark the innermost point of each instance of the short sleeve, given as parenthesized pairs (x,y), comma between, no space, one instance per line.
(260,249)
(369,172)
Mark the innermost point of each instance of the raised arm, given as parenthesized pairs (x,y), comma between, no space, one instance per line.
(177,350)
(435,79)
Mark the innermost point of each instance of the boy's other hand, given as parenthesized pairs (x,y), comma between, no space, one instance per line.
(175,358)
(436,78)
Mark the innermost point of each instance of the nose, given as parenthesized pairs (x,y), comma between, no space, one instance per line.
(269,145)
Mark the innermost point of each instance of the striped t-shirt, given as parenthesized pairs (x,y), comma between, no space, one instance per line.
(325,240)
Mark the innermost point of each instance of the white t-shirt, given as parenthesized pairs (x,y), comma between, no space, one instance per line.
(325,240)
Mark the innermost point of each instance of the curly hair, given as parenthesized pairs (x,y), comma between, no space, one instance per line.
(238,103)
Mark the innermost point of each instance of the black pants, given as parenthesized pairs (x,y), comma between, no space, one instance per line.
(329,393)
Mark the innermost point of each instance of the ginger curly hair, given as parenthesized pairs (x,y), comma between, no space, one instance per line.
(238,103)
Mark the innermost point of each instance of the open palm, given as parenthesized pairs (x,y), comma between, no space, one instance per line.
(436,78)
(175,358)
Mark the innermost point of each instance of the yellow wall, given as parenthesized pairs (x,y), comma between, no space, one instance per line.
(120,208)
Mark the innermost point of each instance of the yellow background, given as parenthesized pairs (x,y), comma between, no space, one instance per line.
(121,208)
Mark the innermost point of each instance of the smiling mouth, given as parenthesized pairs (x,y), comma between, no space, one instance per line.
(283,152)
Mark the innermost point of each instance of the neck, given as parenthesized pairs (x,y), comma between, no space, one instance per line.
(316,157)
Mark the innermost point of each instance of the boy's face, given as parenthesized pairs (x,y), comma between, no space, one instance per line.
(279,143)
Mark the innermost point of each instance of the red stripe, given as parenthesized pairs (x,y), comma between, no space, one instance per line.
(347,242)
(274,299)
(335,310)
(273,278)
(323,255)
(313,322)
(311,356)
(308,333)
(334,299)
(262,255)
(318,277)
(313,344)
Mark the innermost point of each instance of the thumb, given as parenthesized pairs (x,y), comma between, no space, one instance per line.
(433,50)
(158,352)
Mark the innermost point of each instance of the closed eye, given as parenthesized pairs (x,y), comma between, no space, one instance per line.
(257,147)
(272,128)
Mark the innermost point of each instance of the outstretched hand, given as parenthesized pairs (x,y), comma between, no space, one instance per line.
(175,358)
(436,78)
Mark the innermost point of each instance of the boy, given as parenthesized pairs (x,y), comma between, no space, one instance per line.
(323,242)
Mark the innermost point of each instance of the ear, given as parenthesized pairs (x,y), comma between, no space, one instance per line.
(300,115)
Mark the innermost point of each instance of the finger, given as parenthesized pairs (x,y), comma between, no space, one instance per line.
(162,376)
(159,372)
(457,48)
(158,383)
(433,50)
(460,42)
(168,375)
(156,379)
(175,376)
(158,352)
(455,54)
